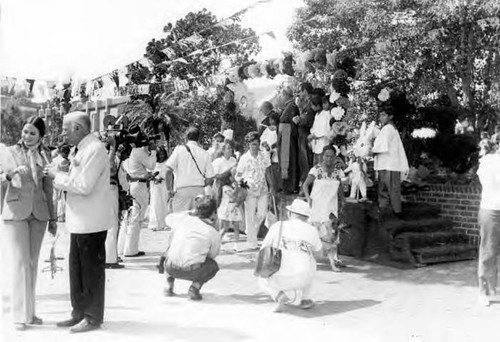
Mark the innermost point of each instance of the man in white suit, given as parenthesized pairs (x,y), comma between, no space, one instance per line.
(87,219)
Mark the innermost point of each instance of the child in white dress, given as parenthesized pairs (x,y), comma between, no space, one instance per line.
(229,213)
(158,206)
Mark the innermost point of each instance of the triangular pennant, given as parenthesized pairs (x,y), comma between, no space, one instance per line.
(169,52)
(270,34)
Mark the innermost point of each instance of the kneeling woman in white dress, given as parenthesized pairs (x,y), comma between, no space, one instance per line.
(293,282)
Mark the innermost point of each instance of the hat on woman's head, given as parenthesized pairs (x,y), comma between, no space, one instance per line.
(299,207)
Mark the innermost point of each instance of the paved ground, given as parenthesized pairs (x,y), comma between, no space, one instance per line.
(367,302)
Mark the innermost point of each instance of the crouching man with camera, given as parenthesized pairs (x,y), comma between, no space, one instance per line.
(192,247)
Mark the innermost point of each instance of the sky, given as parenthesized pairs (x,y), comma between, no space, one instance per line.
(59,39)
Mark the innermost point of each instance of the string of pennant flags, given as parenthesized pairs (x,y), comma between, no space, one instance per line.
(49,89)
(177,84)
(196,38)
(108,85)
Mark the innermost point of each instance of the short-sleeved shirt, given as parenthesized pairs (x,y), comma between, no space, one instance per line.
(391,154)
(192,240)
(319,173)
(489,176)
(139,162)
(221,164)
(253,170)
(185,171)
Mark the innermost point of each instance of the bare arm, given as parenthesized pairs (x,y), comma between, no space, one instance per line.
(305,187)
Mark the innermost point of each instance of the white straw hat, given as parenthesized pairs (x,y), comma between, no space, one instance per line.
(300,207)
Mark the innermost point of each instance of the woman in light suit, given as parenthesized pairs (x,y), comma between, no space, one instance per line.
(27,210)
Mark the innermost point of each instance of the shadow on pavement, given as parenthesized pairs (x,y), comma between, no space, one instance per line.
(257,298)
(461,273)
(185,332)
(331,307)
(236,265)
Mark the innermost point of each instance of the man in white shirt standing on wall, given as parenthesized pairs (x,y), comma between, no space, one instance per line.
(88,216)
(192,168)
(390,162)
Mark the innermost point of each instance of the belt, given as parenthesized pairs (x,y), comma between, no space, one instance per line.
(186,268)
(139,180)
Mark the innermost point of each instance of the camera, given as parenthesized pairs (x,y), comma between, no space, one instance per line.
(126,137)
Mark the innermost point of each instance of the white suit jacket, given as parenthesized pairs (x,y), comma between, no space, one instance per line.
(88,199)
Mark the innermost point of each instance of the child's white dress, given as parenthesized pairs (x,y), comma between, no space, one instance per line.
(158,206)
(228,211)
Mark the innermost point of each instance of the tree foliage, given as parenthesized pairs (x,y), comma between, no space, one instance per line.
(193,47)
(426,48)
(444,55)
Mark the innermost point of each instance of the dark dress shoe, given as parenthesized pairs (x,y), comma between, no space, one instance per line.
(69,323)
(36,320)
(194,293)
(84,326)
(138,254)
(114,265)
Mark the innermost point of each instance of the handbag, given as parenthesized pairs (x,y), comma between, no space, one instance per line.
(269,259)
(271,218)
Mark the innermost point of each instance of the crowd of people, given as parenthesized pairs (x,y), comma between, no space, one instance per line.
(104,196)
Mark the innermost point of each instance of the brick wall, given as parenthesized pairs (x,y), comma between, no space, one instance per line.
(458,203)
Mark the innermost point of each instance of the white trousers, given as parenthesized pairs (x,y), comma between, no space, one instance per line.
(20,243)
(255,213)
(112,236)
(128,240)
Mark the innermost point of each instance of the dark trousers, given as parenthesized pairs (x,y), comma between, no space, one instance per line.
(389,190)
(291,183)
(87,258)
(198,273)
(305,157)
(273,178)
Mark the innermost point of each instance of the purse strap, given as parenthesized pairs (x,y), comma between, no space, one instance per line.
(281,223)
(195,163)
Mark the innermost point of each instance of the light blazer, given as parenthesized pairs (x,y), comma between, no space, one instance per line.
(88,196)
(20,203)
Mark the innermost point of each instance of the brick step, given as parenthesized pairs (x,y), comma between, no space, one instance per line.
(415,210)
(427,239)
(444,253)
(425,225)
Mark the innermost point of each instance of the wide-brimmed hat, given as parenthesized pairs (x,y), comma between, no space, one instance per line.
(300,207)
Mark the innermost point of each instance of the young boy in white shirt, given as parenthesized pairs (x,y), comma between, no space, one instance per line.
(389,162)
(270,136)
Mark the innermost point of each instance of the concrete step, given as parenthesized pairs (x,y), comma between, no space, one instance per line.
(416,239)
(445,253)
(425,225)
